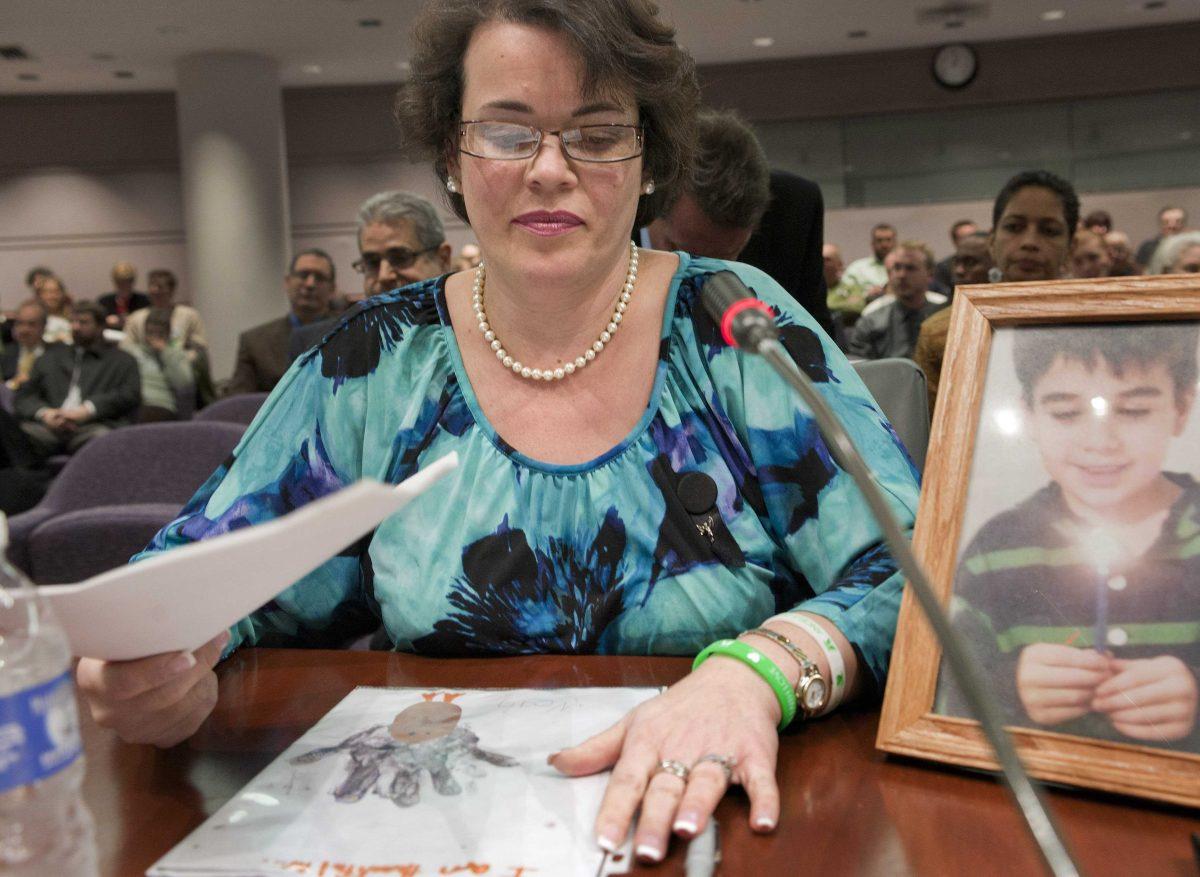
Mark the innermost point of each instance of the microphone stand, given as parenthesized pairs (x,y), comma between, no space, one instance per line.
(755,331)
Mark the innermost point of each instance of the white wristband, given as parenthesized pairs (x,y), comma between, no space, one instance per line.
(837,666)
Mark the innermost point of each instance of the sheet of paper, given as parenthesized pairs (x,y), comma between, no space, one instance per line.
(180,599)
(406,782)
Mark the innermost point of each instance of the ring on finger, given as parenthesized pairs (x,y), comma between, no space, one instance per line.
(673,767)
(727,763)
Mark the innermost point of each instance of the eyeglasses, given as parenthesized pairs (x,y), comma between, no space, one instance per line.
(398,257)
(309,273)
(508,141)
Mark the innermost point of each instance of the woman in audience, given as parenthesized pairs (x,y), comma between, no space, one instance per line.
(626,485)
(53,295)
(1033,224)
(1178,254)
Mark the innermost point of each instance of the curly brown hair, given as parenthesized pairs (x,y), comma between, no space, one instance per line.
(621,45)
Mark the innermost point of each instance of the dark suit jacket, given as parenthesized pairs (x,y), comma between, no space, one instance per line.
(8,362)
(108,378)
(787,244)
(262,357)
(137,301)
(308,336)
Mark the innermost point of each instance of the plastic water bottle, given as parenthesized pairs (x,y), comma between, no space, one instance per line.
(45,828)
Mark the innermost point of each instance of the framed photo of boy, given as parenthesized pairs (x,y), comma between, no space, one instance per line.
(1060,525)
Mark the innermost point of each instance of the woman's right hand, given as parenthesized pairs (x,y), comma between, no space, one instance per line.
(1056,683)
(162,699)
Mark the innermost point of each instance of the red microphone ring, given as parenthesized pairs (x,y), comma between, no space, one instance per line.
(736,308)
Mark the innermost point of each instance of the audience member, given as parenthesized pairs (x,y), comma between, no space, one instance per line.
(1089,256)
(943,274)
(16,362)
(843,298)
(123,300)
(263,351)
(1033,222)
(1181,254)
(166,371)
(733,206)
(1120,255)
(186,326)
(35,276)
(468,258)
(400,241)
(869,272)
(891,330)
(1098,222)
(78,391)
(972,264)
(1171,220)
(54,298)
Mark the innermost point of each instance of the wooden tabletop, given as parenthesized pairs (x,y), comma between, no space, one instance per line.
(847,808)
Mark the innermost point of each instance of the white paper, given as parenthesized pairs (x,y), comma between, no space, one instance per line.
(180,599)
(519,818)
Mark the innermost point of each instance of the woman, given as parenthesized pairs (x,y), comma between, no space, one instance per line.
(626,484)
(52,293)
(1033,225)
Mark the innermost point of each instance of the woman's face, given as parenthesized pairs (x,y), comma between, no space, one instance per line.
(549,217)
(52,295)
(1030,241)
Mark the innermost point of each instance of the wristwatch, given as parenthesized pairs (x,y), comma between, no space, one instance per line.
(812,689)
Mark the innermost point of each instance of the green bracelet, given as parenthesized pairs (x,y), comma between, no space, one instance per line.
(763,666)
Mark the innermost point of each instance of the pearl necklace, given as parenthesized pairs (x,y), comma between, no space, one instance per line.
(563,371)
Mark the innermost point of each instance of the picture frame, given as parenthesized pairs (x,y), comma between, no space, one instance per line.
(909,724)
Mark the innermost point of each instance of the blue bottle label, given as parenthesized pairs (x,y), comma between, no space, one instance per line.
(39,732)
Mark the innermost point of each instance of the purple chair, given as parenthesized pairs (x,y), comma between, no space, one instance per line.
(233,409)
(114,495)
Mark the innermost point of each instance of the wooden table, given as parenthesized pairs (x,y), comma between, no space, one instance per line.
(847,808)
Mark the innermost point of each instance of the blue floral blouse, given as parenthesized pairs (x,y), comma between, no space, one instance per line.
(720,508)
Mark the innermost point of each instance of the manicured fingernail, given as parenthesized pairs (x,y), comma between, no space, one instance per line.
(764,823)
(550,758)
(685,825)
(181,663)
(648,852)
(606,843)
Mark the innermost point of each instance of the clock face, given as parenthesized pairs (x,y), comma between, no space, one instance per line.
(955,66)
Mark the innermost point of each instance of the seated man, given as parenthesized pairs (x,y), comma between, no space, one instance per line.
(78,391)
(870,272)
(167,379)
(400,241)
(1120,255)
(943,274)
(1089,256)
(263,351)
(891,329)
(123,300)
(16,362)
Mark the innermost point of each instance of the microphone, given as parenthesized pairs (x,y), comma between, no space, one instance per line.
(747,323)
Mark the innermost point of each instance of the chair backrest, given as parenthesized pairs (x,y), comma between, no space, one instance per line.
(898,386)
(233,409)
(150,463)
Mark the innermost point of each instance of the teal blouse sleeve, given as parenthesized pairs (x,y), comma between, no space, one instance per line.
(829,541)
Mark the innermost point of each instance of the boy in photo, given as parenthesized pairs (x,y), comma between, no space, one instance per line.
(1083,601)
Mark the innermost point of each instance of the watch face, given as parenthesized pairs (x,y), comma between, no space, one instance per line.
(955,66)
(814,694)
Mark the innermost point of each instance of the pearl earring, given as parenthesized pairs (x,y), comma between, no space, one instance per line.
(451,186)
(648,189)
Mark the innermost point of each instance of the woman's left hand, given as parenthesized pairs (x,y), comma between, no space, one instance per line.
(722,710)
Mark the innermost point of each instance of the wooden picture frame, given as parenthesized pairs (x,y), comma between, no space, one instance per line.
(908,725)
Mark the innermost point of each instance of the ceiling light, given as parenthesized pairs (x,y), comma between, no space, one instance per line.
(1054,15)
(311,68)
(764,42)
(856,34)
(123,74)
(370,22)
